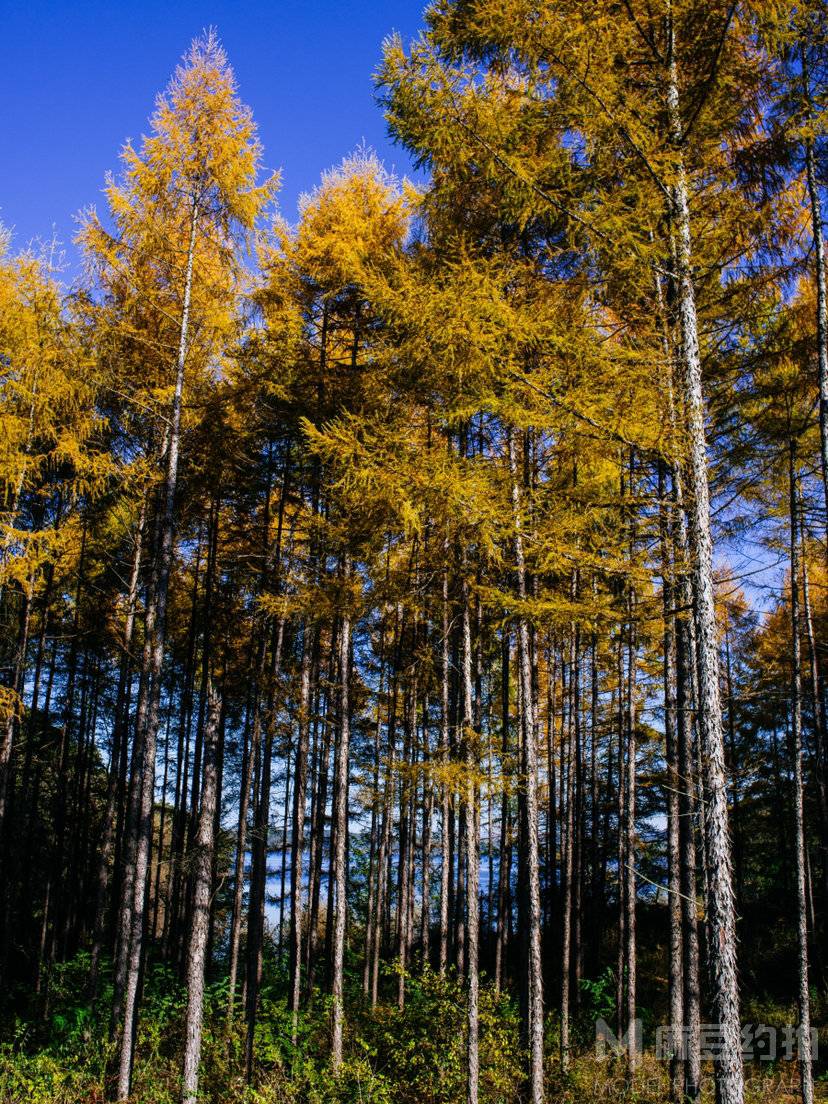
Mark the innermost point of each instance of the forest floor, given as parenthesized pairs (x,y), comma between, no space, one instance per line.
(60,1054)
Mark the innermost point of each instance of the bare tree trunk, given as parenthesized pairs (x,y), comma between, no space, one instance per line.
(629,847)
(202,892)
(676,957)
(162,820)
(258,872)
(238,871)
(428,812)
(283,848)
(735,817)
(445,819)
(374,870)
(721,906)
(687,812)
(317,842)
(298,841)
(470,742)
(504,854)
(405,842)
(805,1058)
(529,780)
(340,833)
(567,835)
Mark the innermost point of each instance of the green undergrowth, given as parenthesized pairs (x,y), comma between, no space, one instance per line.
(58,1051)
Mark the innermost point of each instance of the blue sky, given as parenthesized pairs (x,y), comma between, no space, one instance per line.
(77,79)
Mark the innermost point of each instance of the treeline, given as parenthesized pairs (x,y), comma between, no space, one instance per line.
(366,605)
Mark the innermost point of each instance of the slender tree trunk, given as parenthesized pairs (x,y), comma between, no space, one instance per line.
(404,888)
(721,905)
(202,891)
(374,870)
(529,781)
(735,818)
(567,835)
(258,872)
(318,831)
(688,810)
(470,742)
(676,957)
(286,755)
(504,855)
(298,840)
(630,885)
(383,882)
(238,870)
(445,818)
(340,832)
(803,996)
(428,813)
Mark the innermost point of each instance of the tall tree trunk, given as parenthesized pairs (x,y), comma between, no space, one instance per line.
(504,854)
(689,810)
(202,891)
(383,858)
(529,782)
(340,831)
(258,872)
(803,995)
(445,797)
(721,906)
(317,842)
(428,814)
(735,818)
(470,743)
(283,848)
(374,870)
(673,784)
(238,871)
(630,885)
(300,776)
(567,835)
(406,828)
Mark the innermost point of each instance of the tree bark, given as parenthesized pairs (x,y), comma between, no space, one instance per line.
(202,892)
(721,906)
(470,804)
(803,994)
(529,783)
(340,872)
(300,775)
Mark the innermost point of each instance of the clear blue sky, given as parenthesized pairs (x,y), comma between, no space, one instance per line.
(78,78)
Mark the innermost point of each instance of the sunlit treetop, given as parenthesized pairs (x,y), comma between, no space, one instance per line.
(203,146)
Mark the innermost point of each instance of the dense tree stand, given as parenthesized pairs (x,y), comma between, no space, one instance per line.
(413,620)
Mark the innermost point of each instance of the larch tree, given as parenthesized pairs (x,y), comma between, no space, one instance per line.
(188,196)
